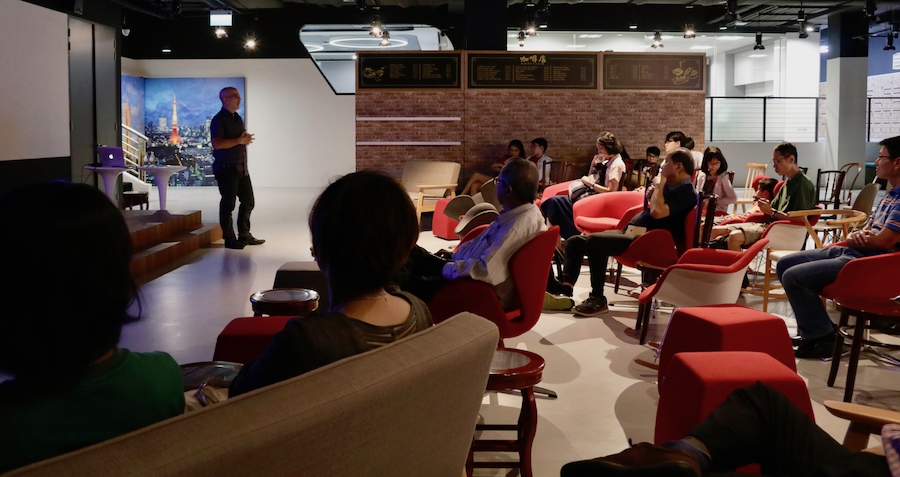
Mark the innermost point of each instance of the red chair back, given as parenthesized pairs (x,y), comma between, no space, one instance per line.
(529,267)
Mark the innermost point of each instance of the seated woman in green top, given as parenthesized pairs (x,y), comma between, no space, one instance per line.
(363,228)
(66,285)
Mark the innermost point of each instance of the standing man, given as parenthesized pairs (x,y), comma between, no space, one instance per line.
(230,140)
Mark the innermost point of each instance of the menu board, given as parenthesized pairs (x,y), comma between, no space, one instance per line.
(409,70)
(656,71)
(535,70)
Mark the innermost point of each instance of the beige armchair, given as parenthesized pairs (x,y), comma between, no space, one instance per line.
(428,181)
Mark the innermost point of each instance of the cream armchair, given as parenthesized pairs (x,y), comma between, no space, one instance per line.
(428,181)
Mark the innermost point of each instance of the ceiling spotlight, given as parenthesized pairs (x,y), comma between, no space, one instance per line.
(689,31)
(250,44)
(522,38)
(801,16)
(890,42)
(730,10)
(759,45)
(803,32)
(361,4)
(657,40)
(385,38)
(632,25)
(166,50)
(723,27)
(376,29)
(530,29)
(221,33)
(125,30)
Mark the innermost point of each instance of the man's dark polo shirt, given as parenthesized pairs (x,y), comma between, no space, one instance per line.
(227,125)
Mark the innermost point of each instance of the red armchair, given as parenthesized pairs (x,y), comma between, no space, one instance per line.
(702,276)
(602,212)
(529,267)
(556,189)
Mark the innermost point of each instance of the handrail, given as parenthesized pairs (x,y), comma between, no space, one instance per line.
(135,132)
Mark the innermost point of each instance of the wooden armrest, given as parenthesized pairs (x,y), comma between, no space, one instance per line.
(435,186)
(811,212)
(863,414)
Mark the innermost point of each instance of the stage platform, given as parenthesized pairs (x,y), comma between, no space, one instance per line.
(163,236)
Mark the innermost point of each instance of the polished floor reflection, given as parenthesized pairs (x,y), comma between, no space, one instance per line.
(604,398)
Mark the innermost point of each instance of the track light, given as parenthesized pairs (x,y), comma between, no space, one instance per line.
(657,40)
(723,27)
(870,8)
(759,45)
(801,16)
(689,31)
(521,38)
(385,38)
(376,29)
(890,42)
(530,29)
(632,25)
(250,44)
(221,33)
(125,30)
(804,32)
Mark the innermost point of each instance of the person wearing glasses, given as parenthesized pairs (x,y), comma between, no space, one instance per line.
(229,141)
(798,193)
(804,274)
(486,257)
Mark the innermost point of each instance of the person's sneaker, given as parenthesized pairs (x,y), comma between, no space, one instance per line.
(557,303)
(234,244)
(642,460)
(591,307)
(251,240)
(817,348)
(556,288)
(796,341)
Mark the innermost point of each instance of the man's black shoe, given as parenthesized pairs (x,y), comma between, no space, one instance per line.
(233,243)
(593,306)
(796,341)
(251,240)
(817,348)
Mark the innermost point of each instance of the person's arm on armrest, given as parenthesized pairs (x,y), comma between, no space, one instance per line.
(867,240)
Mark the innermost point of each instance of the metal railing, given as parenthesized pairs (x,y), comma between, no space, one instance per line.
(797,119)
(134,145)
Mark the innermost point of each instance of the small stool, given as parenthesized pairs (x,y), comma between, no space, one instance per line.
(217,373)
(441,225)
(511,369)
(697,383)
(726,328)
(284,301)
(864,309)
(244,339)
(304,275)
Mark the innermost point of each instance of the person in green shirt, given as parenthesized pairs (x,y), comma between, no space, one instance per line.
(66,288)
(798,193)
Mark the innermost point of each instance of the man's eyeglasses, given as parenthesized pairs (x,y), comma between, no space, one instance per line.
(884,157)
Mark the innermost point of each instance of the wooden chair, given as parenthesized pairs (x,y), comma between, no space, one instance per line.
(428,181)
(784,238)
(864,420)
(828,188)
(556,172)
(850,219)
(850,177)
(863,203)
(746,199)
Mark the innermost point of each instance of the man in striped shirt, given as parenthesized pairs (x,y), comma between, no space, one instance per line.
(804,274)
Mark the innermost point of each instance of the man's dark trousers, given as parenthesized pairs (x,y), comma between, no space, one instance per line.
(234,186)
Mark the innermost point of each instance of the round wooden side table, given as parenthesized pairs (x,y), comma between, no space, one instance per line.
(511,369)
(864,309)
(284,302)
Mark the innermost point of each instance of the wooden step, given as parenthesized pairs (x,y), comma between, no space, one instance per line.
(162,237)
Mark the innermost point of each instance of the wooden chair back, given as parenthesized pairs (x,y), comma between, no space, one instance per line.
(851,174)
(753,170)
(556,172)
(828,187)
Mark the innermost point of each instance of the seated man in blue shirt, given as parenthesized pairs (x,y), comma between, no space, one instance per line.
(804,274)
(668,205)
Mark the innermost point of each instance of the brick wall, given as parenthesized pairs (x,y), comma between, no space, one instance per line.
(570,120)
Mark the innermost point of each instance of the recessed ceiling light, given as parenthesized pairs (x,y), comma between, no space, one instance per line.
(823,49)
(166,50)
(701,47)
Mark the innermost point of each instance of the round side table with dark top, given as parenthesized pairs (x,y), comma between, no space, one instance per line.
(284,302)
(864,309)
(219,373)
(511,369)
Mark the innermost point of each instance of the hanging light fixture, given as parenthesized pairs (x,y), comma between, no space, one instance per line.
(530,29)
(890,42)
(689,31)
(804,31)
(376,29)
(632,25)
(522,38)
(221,33)
(385,38)
(759,45)
(657,40)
